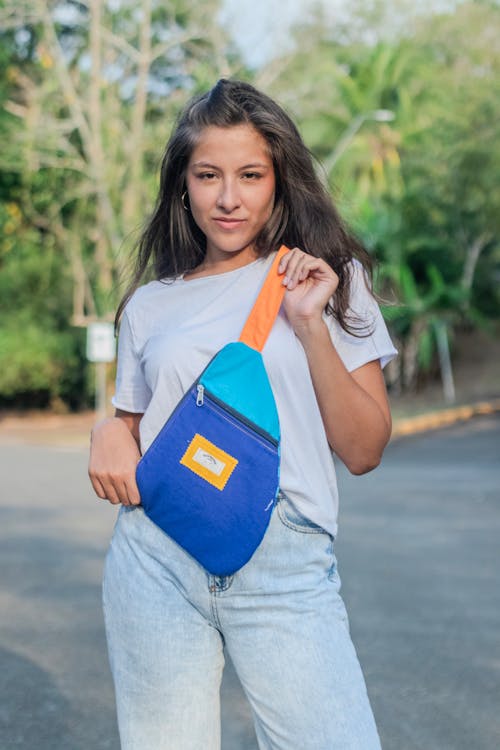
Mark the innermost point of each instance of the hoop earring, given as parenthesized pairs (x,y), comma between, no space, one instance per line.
(183,201)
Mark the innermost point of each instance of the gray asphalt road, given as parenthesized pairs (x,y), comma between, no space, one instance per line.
(419,558)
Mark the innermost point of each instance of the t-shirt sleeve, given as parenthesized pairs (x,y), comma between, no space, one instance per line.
(131,391)
(373,340)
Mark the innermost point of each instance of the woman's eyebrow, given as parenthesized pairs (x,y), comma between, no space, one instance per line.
(207,165)
(204,164)
(256,165)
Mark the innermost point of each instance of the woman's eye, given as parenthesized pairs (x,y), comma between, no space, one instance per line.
(251,175)
(207,176)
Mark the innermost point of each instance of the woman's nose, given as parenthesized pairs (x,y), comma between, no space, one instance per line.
(229,197)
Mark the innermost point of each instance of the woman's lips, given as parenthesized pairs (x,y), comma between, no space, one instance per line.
(228,223)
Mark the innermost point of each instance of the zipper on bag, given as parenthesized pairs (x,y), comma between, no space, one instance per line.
(199,397)
(202,393)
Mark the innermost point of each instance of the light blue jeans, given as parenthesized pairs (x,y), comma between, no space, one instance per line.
(280,617)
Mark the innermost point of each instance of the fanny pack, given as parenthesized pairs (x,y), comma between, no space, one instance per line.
(211,476)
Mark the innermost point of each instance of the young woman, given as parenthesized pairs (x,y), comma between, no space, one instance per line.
(237,182)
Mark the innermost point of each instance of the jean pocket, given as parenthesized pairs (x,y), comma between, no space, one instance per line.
(294,519)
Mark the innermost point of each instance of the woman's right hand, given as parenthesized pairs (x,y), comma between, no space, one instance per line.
(114,455)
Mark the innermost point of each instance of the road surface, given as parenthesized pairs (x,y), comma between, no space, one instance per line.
(419,553)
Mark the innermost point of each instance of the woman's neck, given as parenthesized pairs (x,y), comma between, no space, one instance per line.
(214,264)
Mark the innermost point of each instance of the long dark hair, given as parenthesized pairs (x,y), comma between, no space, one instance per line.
(303,214)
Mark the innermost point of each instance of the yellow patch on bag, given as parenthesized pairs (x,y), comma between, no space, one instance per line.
(208,461)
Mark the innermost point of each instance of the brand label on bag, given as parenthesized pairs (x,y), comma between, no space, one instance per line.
(208,461)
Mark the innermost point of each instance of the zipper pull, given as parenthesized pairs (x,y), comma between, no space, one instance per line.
(199,397)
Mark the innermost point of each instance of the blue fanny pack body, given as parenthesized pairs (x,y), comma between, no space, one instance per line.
(211,476)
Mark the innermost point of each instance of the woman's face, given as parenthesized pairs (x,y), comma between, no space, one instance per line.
(231,183)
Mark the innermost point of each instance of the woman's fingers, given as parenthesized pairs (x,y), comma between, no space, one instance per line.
(97,487)
(289,265)
(115,497)
(297,265)
(122,488)
(109,487)
(131,490)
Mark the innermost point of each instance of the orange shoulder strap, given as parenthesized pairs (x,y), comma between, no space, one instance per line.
(263,314)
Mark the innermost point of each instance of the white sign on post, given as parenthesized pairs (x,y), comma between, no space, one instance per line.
(101,345)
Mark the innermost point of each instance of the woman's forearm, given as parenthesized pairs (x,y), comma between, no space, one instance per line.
(353,407)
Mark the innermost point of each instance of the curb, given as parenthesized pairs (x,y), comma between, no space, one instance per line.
(443,418)
(73,432)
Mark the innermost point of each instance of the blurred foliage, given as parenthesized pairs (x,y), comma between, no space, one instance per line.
(405,125)
(88,95)
(421,189)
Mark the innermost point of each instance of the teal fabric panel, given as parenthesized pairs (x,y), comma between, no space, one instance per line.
(237,376)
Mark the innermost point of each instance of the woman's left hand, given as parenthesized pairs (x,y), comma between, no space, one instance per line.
(310,283)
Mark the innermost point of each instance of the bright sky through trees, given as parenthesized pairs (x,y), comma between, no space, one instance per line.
(262,29)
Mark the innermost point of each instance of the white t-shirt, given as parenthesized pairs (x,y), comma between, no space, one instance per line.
(171,329)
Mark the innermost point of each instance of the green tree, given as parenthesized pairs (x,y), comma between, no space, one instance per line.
(109,82)
(90,92)
(446,231)
(420,189)
(39,356)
